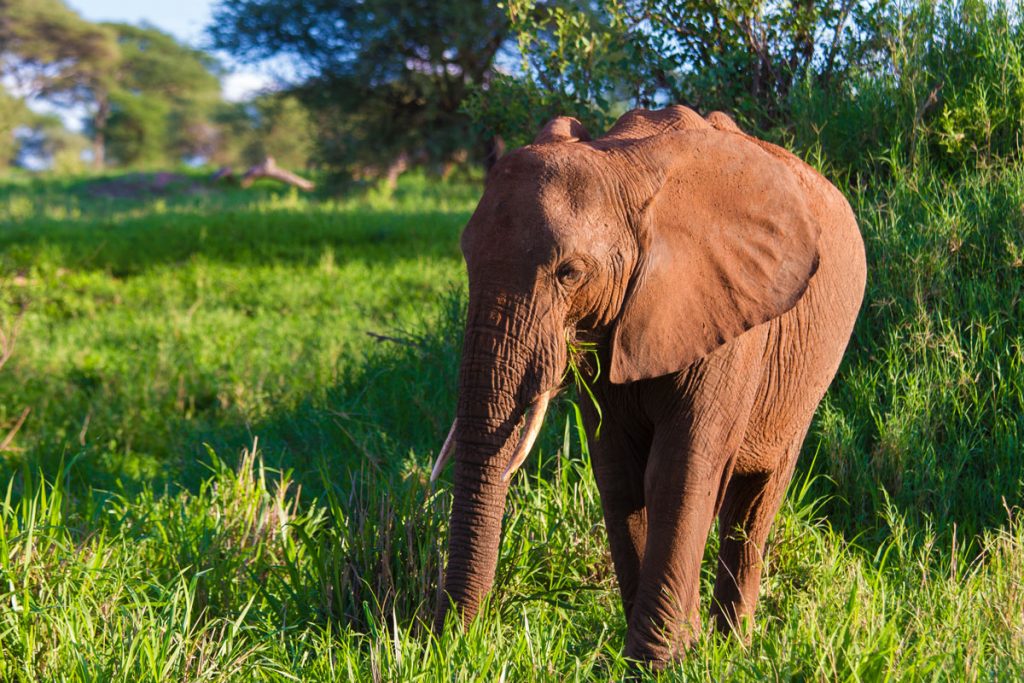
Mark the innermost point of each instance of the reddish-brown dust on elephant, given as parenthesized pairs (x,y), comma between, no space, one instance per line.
(719,278)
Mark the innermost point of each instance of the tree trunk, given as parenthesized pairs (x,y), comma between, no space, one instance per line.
(99,124)
(397,167)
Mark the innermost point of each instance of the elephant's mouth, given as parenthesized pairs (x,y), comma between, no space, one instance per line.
(531,428)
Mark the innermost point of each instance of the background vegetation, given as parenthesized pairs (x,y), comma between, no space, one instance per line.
(147,101)
(235,396)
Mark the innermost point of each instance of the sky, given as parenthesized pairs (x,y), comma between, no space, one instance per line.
(185,20)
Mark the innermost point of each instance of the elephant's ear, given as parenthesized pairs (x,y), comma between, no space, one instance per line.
(727,242)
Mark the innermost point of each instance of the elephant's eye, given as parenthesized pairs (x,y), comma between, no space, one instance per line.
(569,273)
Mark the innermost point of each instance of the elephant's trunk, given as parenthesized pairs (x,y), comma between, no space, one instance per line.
(501,375)
(474,537)
(482,447)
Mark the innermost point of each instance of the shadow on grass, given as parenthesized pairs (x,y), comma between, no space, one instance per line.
(131,246)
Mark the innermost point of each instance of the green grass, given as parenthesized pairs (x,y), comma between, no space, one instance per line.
(224,477)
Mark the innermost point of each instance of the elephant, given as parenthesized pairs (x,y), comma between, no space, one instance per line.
(717,278)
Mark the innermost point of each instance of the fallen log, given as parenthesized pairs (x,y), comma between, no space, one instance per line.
(270,169)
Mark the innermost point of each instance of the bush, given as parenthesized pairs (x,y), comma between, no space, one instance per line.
(939,81)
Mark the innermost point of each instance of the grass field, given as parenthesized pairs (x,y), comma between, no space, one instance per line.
(235,399)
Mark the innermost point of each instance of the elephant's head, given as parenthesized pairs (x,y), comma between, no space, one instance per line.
(638,239)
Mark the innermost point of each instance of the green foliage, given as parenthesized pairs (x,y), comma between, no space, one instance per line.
(926,411)
(154,62)
(745,57)
(517,109)
(136,132)
(55,54)
(149,98)
(163,94)
(856,84)
(381,77)
(52,51)
(981,70)
(951,93)
(275,125)
(583,369)
(45,137)
(576,61)
(13,113)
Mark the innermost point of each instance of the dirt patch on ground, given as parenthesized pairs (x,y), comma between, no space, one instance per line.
(143,185)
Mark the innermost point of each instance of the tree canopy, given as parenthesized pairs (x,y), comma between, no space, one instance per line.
(149,99)
(859,82)
(52,52)
(381,77)
(13,114)
(49,49)
(160,94)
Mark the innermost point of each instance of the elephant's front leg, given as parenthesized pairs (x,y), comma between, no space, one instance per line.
(700,419)
(619,457)
(681,491)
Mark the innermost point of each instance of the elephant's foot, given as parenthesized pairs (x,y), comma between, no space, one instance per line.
(733,619)
(657,649)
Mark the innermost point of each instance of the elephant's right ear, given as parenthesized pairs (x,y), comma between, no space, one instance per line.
(562,129)
(727,242)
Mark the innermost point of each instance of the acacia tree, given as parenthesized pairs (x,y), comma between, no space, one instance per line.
(161,92)
(382,78)
(13,114)
(53,53)
(144,91)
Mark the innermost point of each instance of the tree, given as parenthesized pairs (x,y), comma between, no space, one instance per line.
(44,139)
(863,82)
(13,114)
(749,55)
(577,58)
(160,92)
(271,125)
(53,53)
(144,90)
(745,56)
(381,77)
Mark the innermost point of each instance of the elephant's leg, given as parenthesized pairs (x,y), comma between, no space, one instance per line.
(680,510)
(700,419)
(618,459)
(748,509)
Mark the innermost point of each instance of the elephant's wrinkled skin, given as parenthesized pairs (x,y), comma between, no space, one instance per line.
(720,278)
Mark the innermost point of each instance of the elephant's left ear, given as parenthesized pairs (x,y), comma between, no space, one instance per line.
(727,242)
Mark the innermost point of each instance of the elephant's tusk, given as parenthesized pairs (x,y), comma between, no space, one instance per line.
(534,421)
(446,452)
